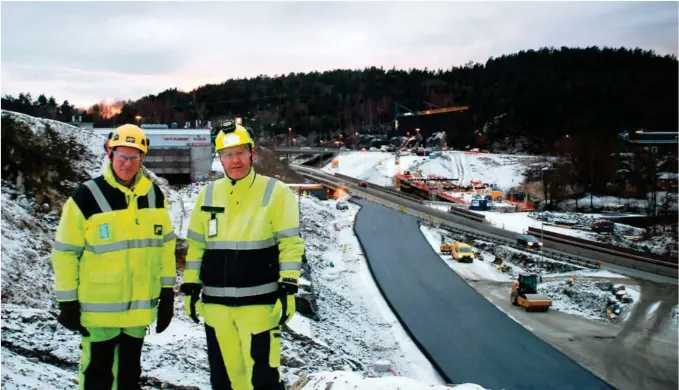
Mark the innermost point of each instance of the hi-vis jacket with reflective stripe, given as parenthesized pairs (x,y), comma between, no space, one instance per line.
(114,250)
(253,242)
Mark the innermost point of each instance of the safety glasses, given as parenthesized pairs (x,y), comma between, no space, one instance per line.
(126,157)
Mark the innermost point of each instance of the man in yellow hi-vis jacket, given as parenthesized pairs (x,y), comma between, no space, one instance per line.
(245,256)
(114,262)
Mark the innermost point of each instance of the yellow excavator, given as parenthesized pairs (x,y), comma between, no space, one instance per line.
(525,293)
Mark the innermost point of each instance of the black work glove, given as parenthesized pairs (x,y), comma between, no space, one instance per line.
(287,288)
(165,309)
(69,317)
(193,290)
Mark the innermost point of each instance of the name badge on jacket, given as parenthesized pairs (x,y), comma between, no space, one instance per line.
(212,228)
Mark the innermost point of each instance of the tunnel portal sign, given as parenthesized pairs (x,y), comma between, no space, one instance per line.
(180,140)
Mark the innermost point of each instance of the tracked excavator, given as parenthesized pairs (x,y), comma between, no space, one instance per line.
(525,293)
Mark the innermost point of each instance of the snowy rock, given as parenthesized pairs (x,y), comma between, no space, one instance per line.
(304,302)
(605,286)
(292,361)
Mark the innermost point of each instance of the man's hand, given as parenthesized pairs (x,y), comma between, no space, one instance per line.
(165,309)
(69,317)
(192,290)
(287,288)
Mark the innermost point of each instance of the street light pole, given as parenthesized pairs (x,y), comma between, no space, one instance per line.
(542,220)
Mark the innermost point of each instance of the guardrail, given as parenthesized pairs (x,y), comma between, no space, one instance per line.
(665,261)
(467,214)
(587,263)
(380,188)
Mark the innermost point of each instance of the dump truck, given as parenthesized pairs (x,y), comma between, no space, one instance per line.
(525,293)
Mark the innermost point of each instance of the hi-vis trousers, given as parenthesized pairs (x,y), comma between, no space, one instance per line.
(243,347)
(111,359)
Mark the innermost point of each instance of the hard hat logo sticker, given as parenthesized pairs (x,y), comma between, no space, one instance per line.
(231,139)
(129,139)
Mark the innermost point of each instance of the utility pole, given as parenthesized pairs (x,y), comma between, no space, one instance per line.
(542,222)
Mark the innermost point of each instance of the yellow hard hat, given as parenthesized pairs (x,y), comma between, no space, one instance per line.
(131,136)
(232,134)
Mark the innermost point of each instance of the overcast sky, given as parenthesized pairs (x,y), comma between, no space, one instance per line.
(87,52)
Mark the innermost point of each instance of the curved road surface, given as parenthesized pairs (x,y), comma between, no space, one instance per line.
(464,335)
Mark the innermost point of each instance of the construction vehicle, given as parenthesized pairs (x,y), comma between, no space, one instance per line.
(462,252)
(525,293)
(446,248)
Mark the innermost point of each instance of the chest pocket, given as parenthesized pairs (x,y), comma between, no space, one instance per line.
(104,233)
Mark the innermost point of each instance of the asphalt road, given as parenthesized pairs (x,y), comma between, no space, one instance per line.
(640,353)
(466,337)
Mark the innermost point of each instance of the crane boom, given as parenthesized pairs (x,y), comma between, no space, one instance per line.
(443,110)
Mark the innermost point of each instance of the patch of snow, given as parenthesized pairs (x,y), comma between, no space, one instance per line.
(504,171)
(217,165)
(352,381)
(301,325)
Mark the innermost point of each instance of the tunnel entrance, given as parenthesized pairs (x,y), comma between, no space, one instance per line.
(176,178)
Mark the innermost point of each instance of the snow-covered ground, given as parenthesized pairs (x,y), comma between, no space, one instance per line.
(353,337)
(352,381)
(586,298)
(476,270)
(624,235)
(503,170)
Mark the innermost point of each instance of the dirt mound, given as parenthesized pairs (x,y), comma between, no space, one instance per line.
(45,159)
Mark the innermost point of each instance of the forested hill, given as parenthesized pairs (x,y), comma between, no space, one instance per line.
(545,93)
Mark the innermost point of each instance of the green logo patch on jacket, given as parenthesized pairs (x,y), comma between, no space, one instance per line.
(104,233)
(158,230)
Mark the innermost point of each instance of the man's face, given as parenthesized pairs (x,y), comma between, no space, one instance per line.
(236,161)
(126,162)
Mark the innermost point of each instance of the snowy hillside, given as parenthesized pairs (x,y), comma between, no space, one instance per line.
(379,168)
(92,142)
(349,339)
(26,269)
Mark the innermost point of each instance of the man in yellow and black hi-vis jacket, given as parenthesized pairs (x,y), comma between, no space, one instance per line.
(245,256)
(114,265)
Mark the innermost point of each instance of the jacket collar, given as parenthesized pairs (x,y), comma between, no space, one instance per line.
(141,185)
(241,184)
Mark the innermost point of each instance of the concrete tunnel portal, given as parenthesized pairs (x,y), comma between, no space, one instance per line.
(181,156)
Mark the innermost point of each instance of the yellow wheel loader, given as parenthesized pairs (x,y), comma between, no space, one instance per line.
(525,293)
